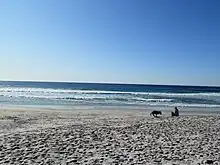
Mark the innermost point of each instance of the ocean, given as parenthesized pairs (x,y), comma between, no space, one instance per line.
(96,95)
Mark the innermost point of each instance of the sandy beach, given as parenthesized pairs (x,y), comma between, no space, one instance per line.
(107,137)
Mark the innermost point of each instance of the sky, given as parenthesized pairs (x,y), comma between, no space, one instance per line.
(116,41)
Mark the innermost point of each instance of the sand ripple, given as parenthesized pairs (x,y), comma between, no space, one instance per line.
(108,138)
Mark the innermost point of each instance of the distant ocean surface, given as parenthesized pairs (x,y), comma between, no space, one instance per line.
(109,95)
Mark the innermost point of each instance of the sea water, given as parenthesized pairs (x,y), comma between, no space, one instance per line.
(75,95)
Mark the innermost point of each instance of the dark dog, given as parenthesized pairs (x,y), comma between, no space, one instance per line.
(155,113)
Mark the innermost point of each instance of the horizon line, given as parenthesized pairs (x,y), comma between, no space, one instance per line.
(113,83)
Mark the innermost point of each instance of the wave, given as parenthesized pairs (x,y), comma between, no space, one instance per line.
(89,98)
(50,90)
(118,99)
(62,93)
(205,99)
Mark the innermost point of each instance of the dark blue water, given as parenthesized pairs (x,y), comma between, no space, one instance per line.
(95,94)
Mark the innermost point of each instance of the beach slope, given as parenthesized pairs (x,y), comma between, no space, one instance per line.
(107,137)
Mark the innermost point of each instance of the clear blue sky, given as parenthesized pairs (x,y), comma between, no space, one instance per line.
(122,41)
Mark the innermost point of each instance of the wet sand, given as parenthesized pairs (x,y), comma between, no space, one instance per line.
(107,137)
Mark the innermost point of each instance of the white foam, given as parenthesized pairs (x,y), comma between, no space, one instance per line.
(50,90)
(164,99)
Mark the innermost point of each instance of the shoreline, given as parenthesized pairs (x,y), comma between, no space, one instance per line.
(106,137)
(184,111)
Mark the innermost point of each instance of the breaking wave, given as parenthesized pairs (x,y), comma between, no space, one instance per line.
(202,99)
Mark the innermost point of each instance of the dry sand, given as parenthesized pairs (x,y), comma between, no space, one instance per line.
(107,137)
